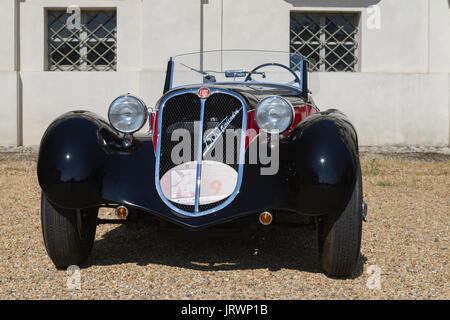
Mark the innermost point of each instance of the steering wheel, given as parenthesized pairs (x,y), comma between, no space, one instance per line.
(249,77)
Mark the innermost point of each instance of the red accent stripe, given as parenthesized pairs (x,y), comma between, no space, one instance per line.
(300,113)
(154,126)
(252,128)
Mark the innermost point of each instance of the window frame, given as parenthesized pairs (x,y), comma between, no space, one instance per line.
(323,14)
(75,67)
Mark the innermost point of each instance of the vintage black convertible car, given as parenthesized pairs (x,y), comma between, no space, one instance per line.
(236,134)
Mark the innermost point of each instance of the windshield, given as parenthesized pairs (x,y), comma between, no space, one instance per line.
(224,66)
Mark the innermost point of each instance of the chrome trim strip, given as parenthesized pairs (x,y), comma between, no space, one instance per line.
(241,154)
(199,153)
(220,132)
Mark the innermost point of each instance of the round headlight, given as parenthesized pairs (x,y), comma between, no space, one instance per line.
(273,114)
(127,114)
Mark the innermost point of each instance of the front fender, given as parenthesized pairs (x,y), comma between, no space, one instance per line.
(323,160)
(71,159)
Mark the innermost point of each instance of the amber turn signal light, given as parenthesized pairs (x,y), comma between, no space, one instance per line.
(121,212)
(265,218)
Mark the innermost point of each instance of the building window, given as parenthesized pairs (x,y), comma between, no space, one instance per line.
(90,46)
(327,40)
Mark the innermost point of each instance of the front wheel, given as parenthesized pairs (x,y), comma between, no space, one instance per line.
(68,234)
(340,235)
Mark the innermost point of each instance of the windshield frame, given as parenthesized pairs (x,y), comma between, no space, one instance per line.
(302,73)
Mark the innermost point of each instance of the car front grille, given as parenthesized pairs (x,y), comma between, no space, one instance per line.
(222,109)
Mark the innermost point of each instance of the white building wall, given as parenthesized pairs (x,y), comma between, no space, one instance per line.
(169,28)
(8,75)
(400,95)
(48,94)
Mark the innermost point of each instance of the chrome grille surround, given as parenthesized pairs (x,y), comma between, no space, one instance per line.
(223,203)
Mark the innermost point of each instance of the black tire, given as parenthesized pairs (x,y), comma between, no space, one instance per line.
(68,234)
(340,235)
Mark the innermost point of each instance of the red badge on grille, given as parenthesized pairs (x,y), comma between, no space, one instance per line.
(203,93)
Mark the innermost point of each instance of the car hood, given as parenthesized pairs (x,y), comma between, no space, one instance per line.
(252,92)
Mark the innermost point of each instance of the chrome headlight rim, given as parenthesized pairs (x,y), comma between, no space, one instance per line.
(144,110)
(284,100)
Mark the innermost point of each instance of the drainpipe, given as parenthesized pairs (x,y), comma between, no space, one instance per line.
(19,108)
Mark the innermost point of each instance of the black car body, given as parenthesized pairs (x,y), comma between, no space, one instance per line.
(85,163)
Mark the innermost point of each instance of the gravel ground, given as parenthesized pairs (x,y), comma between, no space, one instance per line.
(406,238)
